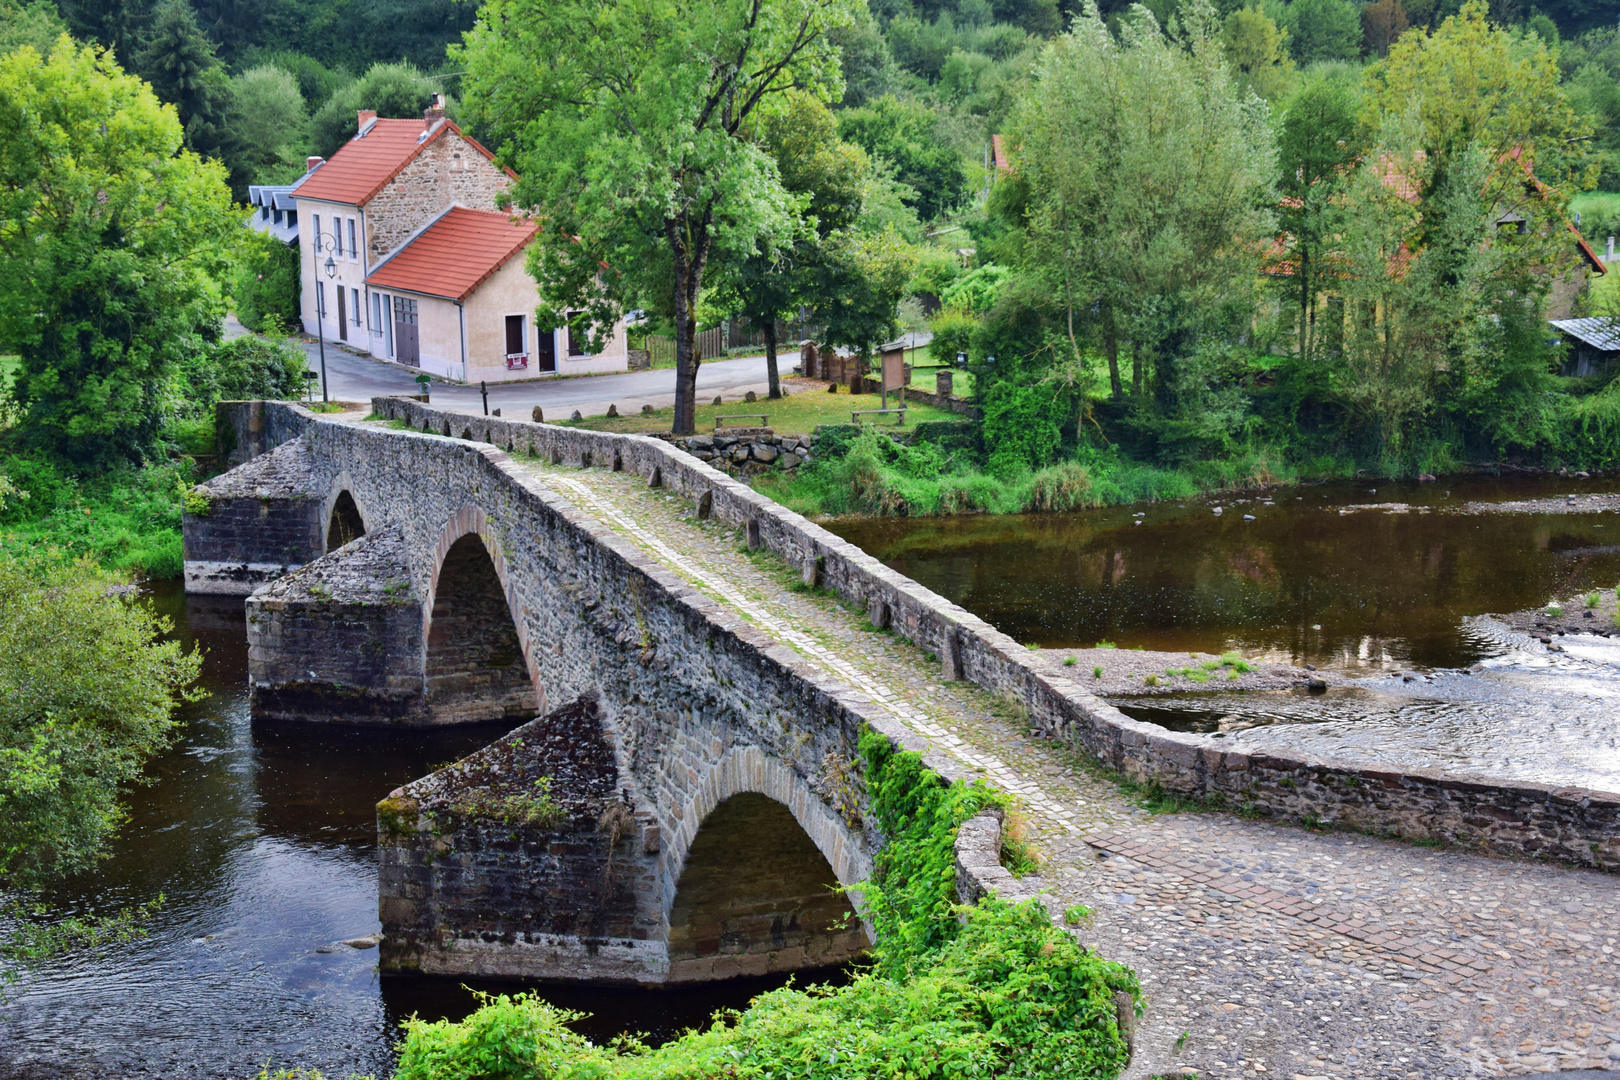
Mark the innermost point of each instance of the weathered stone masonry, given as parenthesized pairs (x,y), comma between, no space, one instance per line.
(1574,825)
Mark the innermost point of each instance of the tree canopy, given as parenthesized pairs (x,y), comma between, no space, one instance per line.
(112,237)
(635,153)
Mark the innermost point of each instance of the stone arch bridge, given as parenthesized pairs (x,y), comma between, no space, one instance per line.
(689,796)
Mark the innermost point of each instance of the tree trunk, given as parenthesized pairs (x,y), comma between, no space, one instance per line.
(770,358)
(1111,350)
(688,280)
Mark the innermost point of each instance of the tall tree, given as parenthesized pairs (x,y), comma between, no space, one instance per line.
(628,122)
(1146,181)
(1318,142)
(117,24)
(1258,51)
(827,176)
(178,60)
(29,22)
(112,240)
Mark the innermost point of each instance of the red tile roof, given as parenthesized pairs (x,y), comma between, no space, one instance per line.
(455,254)
(358,171)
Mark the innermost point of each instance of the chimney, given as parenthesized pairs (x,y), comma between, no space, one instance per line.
(367,117)
(433,113)
(311,162)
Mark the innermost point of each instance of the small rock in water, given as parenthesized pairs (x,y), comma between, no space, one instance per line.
(1372,491)
(1425,478)
(323,949)
(1316,686)
(1310,667)
(362,942)
(1219,511)
(576,415)
(1248,517)
(1138,521)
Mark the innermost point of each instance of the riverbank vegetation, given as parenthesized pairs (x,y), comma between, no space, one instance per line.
(87,692)
(998,992)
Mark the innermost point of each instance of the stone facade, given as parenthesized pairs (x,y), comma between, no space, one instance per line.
(449,170)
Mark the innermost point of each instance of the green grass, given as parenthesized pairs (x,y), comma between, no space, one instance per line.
(797,414)
(126,521)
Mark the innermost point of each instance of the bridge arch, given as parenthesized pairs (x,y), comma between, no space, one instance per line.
(479,663)
(752,880)
(342,519)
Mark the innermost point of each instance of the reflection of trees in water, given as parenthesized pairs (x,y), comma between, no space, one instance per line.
(1375,582)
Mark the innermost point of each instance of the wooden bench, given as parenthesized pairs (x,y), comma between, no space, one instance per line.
(764,419)
(899,415)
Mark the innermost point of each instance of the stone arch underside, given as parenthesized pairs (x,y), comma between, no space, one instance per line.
(477,664)
(757,896)
(344,522)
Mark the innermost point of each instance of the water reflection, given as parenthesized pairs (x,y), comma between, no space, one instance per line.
(1301,580)
(262,841)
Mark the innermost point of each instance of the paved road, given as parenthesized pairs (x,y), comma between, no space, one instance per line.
(359,378)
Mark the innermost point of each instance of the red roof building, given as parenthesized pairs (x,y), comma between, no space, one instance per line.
(405,256)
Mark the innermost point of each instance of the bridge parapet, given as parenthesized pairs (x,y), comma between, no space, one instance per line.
(1573,825)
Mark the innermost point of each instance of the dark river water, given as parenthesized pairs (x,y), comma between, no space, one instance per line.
(262,841)
(1391,594)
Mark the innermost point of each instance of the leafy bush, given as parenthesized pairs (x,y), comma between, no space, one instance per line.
(266,286)
(125,519)
(246,367)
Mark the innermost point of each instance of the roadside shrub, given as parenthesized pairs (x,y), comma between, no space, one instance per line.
(266,286)
(246,367)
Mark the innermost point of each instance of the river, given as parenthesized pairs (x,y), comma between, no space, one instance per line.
(1385,583)
(261,839)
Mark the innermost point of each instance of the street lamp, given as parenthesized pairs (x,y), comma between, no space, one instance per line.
(320,323)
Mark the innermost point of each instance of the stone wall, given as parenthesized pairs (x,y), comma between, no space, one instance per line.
(449,170)
(1568,824)
(747,451)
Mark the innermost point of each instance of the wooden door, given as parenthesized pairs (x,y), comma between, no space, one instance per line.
(406,349)
(546,355)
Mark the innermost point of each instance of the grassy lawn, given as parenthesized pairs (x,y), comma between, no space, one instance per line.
(798,414)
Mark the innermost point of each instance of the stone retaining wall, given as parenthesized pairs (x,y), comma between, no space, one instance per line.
(1572,825)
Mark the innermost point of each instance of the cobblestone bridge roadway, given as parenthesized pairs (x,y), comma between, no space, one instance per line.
(1263,950)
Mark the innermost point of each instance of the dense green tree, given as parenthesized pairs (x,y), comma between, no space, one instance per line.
(29,22)
(1257,49)
(179,61)
(1148,180)
(1318,142)
(393,90)
(634,143)
(829,178)
(266,285)
(87,697)
(1321,30)
(112,239)
(316,82)
(117,24)
(909,136)
(269,125)
(1382,24)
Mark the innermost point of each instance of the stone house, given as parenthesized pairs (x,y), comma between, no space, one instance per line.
(460,305)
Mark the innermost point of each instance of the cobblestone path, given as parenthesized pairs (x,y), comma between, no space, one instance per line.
(1263,950)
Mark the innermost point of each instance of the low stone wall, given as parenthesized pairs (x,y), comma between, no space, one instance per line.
(1546,821)
(954,402)
(746,451)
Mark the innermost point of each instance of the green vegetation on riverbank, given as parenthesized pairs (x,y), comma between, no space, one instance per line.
(1001,993)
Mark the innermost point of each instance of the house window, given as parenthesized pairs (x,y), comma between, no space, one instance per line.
(404,310)
(320,300)
(354,249)
(317,220)
(576,338)
(337,236)
(376,314)
(354,294)
(517,354)
(387,329)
